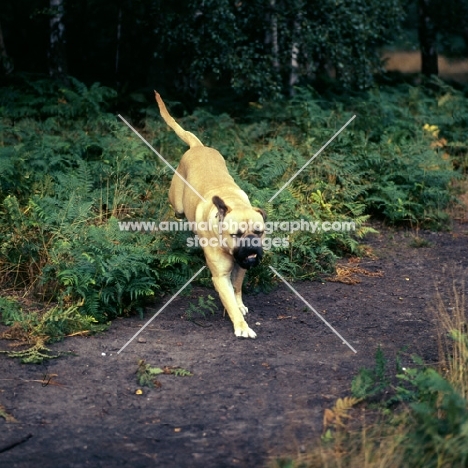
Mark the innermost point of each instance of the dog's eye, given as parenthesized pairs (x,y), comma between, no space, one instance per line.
(233,235)
(258,233)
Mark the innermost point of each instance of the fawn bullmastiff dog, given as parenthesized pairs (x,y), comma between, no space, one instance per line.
(229,229)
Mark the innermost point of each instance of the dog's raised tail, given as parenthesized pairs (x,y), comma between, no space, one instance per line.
(185,136)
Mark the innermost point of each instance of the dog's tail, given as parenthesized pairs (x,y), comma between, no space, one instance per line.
(185,136)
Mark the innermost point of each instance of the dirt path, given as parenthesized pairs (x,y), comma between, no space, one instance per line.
(247,399)
(410,62)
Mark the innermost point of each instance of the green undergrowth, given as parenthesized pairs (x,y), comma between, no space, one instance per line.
(70,172)
(204,306)
(31,330)
(146,374)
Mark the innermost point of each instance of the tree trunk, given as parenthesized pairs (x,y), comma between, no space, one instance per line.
(5,61)
(117,51)
(427,39)
(465,26)
(274,37)
(294,75)
(57,51)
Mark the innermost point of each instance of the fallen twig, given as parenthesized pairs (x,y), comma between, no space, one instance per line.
(14,444)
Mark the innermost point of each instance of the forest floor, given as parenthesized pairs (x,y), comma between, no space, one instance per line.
(247,400)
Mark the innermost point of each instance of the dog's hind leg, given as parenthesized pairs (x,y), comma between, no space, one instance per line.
(237,278)
(176,192)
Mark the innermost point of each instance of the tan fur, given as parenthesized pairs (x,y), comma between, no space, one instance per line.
(186,137)
(202,177)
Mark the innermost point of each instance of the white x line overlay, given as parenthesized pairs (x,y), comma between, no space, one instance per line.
(312,158)
(161,309)
(272,198)
(311,308)
(162,159)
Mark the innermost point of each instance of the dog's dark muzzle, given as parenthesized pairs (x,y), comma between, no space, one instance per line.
(249,251)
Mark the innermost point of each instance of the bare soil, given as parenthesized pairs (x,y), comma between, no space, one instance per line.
(248,400)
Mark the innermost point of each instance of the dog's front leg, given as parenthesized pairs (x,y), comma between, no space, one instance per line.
(221,265)
(237,277)
(226,293)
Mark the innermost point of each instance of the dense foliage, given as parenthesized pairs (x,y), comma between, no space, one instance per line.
(70,172)
(191,47)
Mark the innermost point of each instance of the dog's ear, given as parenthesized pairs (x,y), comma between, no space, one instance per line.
(222,208)
(262,212)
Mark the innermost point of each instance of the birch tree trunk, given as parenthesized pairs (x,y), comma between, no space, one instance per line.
(274,37)
(427,39)
(294,75)
(57,51)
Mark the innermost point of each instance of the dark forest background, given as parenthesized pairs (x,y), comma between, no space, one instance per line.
(199,50)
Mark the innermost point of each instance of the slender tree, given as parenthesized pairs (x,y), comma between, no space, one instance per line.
(294,73)
(119,39)
(427,38)
(274,37)
(6,62)
(57,50)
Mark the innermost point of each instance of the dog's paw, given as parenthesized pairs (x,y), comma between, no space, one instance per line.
(243,309)
(244,332)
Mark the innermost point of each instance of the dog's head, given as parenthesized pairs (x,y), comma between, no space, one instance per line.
(242,231)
